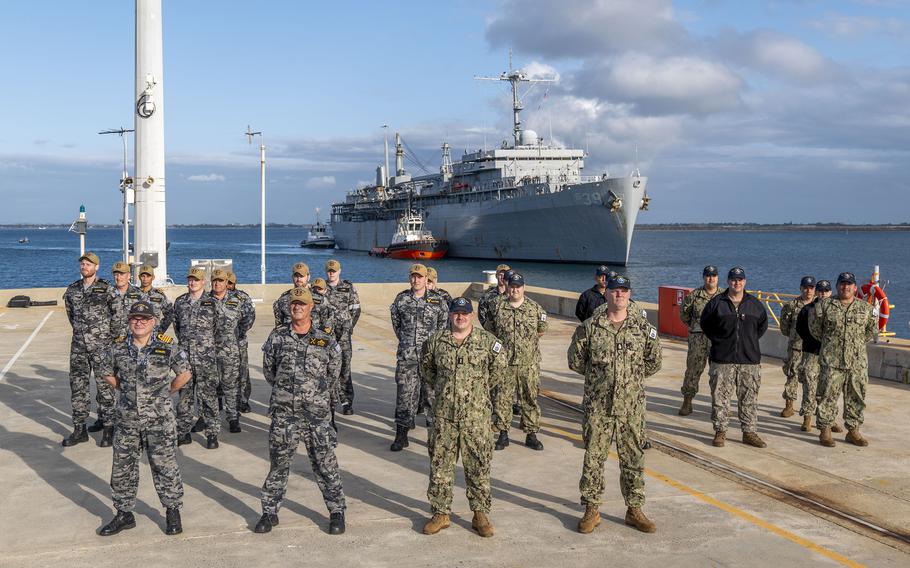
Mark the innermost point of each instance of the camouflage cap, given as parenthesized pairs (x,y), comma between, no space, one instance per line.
(147,269)
(332,265)
(516,280)
(508,274)
(432,274)
(736,273)
(300,269)
(709,270)
(91,257)
(847,277)
(823,286)
(121,267)
(418,269)
(807,282)
(319,284)
(219,274)
(142,309)
(619,281)
(461,305)
(503,268)
(196,272)
(301,296)
(232,278)
(602,270)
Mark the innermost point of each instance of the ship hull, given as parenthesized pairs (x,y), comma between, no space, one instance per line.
(573,225)
(318,244)
(428,250)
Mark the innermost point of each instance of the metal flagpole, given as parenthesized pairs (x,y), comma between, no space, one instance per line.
(249,133)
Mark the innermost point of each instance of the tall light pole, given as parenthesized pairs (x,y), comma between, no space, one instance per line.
(250,134)
(126,187)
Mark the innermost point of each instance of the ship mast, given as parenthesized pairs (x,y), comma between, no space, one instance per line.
(515,77)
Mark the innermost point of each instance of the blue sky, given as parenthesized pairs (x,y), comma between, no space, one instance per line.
(768,111)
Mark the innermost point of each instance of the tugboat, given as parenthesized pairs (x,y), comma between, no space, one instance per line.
(23,241)
(412,241)
(318,236)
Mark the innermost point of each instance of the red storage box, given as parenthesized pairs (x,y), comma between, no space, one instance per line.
(669,299)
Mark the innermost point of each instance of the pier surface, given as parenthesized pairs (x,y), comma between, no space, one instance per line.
(794,503)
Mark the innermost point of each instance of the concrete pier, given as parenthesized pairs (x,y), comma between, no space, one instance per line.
(56,498)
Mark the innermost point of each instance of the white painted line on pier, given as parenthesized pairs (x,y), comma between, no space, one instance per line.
(2,314)
(24,346)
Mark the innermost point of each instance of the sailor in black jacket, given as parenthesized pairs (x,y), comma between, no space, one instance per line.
(734,321)
(594,297)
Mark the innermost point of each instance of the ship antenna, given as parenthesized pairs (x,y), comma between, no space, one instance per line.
(515,77)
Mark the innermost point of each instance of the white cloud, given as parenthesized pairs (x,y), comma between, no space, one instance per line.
(777,55)
(320,182)
(859,165)
(205,178)
(855,26)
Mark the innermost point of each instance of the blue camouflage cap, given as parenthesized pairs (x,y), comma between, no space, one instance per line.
(603,270)
(709,270)
(823,286)
(516,280)
(736,273)
(619,281)
(462,305)
(142,309)
(807,282)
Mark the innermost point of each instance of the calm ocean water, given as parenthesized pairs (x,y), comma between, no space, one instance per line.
(774,261)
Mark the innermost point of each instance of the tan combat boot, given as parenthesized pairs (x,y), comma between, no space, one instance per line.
(787,412)
(686,408)
(807,423)
(437,523)
(719,438)
(836,428)
(481,524)
(752,439)
(825,438)
(590,520)
(635,518)
(855,438)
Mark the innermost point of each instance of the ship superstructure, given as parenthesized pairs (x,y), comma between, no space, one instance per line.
(526,200)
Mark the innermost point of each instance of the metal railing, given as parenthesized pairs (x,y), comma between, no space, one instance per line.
(778,299)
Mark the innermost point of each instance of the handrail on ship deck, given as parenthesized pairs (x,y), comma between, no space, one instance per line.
(780,298)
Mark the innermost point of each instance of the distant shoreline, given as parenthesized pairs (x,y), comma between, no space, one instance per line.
(639,226)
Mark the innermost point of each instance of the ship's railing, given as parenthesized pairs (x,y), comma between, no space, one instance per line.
(773,300)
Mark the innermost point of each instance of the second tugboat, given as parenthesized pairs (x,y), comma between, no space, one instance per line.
(318,236)
(412,241)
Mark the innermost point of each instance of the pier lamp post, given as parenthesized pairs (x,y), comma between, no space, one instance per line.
(250,134)
(126,187)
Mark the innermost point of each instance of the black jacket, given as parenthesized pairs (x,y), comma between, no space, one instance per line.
(734,333)
(589,301)
(810,344)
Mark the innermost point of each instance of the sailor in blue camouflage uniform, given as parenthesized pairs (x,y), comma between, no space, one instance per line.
(234,320)
(281,308)
(164,310)
(146,368)
(301,363)
(245,386)
(323,312)
(196,317)
(90,308)
(125,295)
(417,313)
(433,284)
(343,298)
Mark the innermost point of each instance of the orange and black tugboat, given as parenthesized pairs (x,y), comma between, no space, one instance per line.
(412,241)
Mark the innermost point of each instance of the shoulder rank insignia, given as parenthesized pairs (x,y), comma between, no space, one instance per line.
(164,338)
(231,303)
(652,333)
(432,301)
(155,299)
(327,329)
(497,347)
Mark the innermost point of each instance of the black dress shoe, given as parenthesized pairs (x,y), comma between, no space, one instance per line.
(199,426)
(503,441)
(96,426)
(244,407)
(265,524)
(107,437)
(184,440)
(120,522)
(211,441)
(174,526)
(532,442)
(347,409)
(336,523)
(234,426)
(78,436)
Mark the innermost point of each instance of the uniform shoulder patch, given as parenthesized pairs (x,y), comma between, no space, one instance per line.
(543,316)
(652,333)
(497,347)
(164,338)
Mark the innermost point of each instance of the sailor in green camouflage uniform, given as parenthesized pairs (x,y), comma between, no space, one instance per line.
(125,295)
(809,369)
(492,294)
(90,307)
(302,363)
(164,311)
(344,300)
(195,320)
(140,366)
(417,313)
(245,386)
(697,354)
(518,322)
(461,363)
(615,349)
(788,314)
(233,321)
(844,325)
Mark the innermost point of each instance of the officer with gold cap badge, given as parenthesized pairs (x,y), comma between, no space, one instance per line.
(345,301)
(245,387)
(125,295)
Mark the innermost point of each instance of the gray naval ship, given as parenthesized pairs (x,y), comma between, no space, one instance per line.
(525,200)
